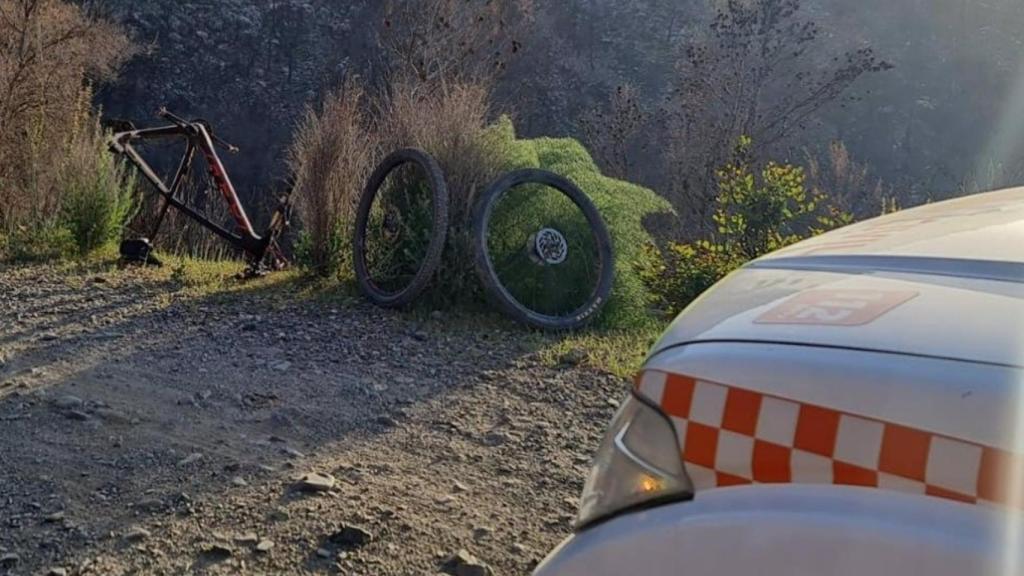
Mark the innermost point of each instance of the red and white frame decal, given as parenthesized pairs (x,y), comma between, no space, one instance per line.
(852,307)
(730,436)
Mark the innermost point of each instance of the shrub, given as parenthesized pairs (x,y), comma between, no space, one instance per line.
(98,192)
(93,199)
(679,273)
(338,146)
(330,160)
(849,183)
(49,51)
(448,120)
(40,242)
(622,205)
(757,211)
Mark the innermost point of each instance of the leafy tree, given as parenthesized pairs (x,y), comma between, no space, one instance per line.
(452,40)
(758,209)
(759,70)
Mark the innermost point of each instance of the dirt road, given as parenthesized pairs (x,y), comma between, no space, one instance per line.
(147,433)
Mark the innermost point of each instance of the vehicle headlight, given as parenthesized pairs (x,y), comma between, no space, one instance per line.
(638,465)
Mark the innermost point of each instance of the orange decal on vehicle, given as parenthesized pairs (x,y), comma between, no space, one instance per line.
(836,307)
(732,436)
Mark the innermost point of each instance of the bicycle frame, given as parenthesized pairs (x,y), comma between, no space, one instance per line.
(199,138)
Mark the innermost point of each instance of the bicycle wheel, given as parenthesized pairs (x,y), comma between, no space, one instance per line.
(542,250)
(401,227)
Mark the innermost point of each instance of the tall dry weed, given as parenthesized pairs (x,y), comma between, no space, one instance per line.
(449,122)
(330,159)
(50,52)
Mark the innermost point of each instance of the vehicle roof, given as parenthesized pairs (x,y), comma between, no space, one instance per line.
(944,280)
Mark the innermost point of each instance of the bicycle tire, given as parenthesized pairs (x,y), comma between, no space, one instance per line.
(508,304)
(438,236)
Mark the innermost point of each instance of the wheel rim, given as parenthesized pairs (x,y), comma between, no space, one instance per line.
(543,251)
(398,229)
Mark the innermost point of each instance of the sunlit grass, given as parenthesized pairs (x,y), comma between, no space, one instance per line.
(195,281)
(617,352)
(190,278)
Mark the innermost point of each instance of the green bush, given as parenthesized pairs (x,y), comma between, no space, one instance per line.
(39,243)
(330,259)
(679,273)
(757,211)
(622,205)
(450,127)
(98,193)
(93,199)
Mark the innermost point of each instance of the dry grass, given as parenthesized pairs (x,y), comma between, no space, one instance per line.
(338,145)
(180,234)
(847,183)
(330,159)
(49,50)
(448,121)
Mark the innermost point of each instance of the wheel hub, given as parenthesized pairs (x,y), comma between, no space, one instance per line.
(551,246)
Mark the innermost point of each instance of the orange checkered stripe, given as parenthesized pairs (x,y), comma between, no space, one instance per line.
(730,436)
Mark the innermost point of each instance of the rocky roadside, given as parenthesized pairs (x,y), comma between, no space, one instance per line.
(252,434)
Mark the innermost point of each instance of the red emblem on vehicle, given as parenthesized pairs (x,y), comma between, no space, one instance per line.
(836,307)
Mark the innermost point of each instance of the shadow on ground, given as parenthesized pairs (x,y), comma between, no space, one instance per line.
(124,408)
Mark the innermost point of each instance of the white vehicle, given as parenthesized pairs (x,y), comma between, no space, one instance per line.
(851,405)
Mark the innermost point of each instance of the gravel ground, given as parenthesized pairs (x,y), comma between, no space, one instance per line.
(147,433)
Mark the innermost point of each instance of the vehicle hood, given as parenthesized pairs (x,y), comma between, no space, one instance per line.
(945,280)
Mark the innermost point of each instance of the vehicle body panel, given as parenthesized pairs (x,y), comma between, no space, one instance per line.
(969,401)
(986,226)
(937,306)
(790,530)
(906,331)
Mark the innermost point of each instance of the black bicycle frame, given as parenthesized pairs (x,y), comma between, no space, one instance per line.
(197,137)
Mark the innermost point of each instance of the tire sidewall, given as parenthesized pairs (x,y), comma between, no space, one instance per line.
(432,259)
(485,270)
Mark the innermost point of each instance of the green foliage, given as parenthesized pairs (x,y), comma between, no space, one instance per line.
(39,243)
(757,211)
(500,139)
(622,205)
(680,272)
(94,200)
(98,194)
(331,260)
